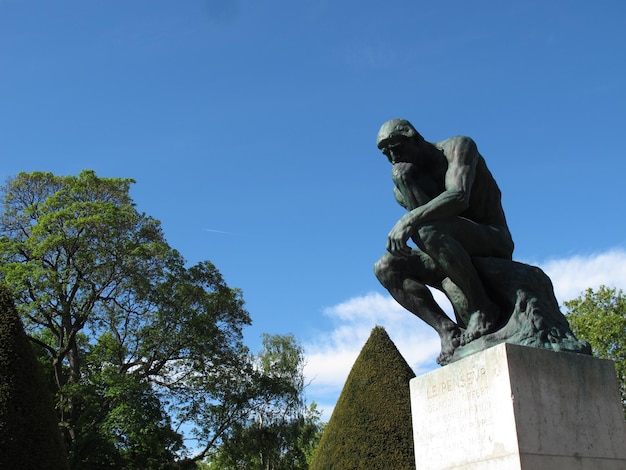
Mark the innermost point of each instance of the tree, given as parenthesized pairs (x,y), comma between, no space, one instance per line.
(370,427)
(280,432)
(600,318)
(29,435)
(138,345)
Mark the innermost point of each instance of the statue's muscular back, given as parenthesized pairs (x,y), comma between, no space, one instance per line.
(485,203)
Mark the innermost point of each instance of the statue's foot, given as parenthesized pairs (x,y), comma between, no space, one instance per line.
(479,325)
(450,340)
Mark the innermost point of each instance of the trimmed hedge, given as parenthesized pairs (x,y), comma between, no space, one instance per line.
(29,433)
(370,427)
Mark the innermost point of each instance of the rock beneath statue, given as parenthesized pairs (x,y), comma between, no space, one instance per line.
(532,315)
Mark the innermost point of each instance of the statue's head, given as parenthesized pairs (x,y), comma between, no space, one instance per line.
(394,129)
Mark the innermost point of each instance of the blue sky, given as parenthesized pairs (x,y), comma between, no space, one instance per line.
(250,129)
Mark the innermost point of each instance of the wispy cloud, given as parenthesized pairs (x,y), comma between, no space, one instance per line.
(572,276)
(216,231)
(330,355)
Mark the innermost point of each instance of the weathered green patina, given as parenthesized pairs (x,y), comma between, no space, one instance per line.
(463,248)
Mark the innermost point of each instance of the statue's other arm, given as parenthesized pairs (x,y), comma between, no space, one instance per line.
(400,198)
(407,191)
(462,156)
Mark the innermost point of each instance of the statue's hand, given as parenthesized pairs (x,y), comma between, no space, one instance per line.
(398,237)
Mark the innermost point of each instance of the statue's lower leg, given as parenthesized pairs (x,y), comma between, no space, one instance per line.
(450,340)
(475,311)
(418,299)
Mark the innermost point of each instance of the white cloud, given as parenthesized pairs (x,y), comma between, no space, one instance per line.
(572,276)
(331,354)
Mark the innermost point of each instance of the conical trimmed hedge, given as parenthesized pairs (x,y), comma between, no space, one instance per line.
(29,433)
(370,428)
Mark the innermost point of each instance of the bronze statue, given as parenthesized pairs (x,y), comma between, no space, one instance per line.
(463,245)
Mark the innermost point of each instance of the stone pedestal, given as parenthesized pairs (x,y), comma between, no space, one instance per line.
(519,408)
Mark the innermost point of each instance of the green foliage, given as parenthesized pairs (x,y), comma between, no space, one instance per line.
(29,435)
(137,345)
(133,431)
(280,432)
(370,427)
(600,318)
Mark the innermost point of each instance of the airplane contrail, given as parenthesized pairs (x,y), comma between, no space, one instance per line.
(216,231)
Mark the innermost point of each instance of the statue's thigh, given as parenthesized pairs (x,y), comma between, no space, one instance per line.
(476,239)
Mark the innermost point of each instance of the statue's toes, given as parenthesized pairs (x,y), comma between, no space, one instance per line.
(444,358)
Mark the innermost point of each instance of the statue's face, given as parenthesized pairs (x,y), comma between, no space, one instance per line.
(400,149)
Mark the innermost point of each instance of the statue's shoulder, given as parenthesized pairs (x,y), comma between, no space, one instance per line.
(458,148)
(456,141)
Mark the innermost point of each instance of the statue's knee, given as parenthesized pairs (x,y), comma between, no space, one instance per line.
(379,269)
(384,270)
